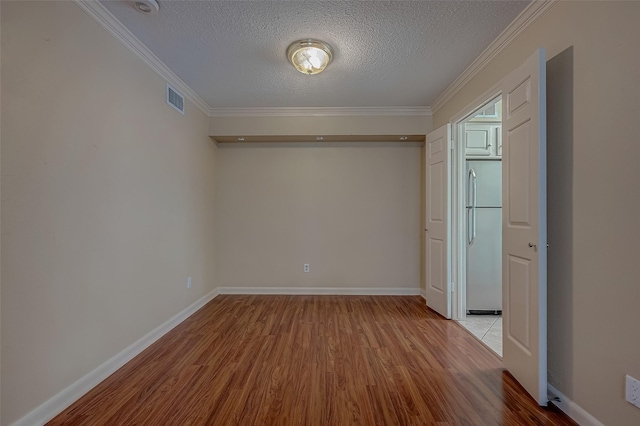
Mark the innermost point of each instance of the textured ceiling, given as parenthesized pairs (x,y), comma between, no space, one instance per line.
(386,53)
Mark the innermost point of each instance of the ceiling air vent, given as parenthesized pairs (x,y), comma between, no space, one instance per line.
(175,99)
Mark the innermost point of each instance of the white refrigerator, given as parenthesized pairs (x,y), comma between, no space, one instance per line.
(484,236)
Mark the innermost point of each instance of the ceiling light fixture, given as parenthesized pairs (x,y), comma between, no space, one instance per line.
(309,56)
(146,6)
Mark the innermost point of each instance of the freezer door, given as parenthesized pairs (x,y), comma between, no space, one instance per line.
(484,262)
(488,182)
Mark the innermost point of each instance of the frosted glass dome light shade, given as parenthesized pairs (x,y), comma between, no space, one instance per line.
(309,56)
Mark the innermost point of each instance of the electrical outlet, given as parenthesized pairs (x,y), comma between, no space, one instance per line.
(306,267)
(189,282)
(632,393)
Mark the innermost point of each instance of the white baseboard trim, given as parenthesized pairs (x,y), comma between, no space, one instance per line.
(423,293)
(347,291)
(571,409)
(55,405)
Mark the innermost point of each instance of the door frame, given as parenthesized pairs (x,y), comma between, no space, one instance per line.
(458,202)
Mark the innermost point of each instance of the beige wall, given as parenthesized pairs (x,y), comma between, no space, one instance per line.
(350,210)
(107,201)
(593,195)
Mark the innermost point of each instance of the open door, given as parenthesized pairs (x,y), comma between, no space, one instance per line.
(524,226)
(437,221)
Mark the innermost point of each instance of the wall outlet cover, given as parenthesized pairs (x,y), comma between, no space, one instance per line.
(632,391)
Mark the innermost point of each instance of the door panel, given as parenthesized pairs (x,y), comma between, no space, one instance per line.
(519,301)
(437,180)
(437,211)
(519,185)
(524,229)
(436,259)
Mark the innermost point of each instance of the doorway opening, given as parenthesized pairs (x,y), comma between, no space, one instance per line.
(478,172)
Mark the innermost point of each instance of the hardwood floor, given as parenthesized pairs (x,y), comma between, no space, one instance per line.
(312,360)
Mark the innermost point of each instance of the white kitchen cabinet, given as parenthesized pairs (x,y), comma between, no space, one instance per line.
(483,140)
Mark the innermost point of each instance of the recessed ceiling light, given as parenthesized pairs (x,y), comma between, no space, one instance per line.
(146,6)
(309,56)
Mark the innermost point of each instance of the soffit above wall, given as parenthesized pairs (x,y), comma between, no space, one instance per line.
(318,139)
(309,127)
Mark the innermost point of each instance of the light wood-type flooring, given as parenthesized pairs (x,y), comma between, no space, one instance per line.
(312,360)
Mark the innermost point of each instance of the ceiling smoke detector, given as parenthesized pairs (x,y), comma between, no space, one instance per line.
(146,6)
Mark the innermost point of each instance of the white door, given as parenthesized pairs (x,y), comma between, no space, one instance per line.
(524,226)
(437,212)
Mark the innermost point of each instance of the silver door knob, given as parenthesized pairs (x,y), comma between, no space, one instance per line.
(532,245)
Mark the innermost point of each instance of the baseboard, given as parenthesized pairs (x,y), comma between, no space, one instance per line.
(423,293)
(68,396)
(571,409)
(348,291)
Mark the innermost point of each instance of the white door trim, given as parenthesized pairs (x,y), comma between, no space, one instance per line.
(458,203)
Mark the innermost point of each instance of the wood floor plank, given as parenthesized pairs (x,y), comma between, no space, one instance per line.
(312,360)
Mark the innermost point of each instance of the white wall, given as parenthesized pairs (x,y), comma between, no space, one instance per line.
(350,210)
(594,201)
(107,201)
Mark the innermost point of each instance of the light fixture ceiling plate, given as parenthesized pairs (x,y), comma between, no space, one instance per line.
(146,6)
(309,56)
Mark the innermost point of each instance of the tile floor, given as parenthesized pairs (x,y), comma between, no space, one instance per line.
(487,328)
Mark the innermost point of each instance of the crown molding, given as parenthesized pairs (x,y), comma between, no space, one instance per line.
(102,16)
(527,17)
(110,23)
(319,112)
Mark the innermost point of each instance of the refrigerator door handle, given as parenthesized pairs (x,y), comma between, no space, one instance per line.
(473,186)
(469,225)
